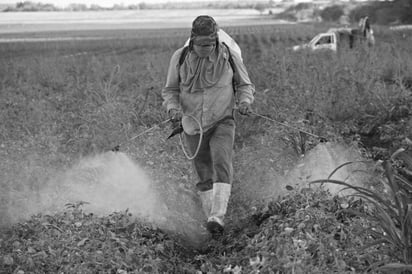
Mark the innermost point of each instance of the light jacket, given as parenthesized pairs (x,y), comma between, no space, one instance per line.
(211,104)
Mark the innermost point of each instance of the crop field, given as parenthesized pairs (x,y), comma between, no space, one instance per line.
(17,22)
(72,94)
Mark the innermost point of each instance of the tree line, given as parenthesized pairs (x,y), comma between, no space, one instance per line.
(379,12)
(28,6)
(386,12)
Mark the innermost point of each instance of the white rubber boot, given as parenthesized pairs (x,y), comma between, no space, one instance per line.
(206,199)
(221,194)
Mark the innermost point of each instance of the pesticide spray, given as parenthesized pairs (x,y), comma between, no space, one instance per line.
(289,171)
(111,181)
(106,183)
(334,161)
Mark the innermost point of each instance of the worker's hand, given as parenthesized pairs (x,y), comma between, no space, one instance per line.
(244,108)
(175,115)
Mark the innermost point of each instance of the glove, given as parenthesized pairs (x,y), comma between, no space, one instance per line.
(175,116)
(244,108)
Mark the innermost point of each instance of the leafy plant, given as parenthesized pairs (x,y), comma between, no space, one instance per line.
(391,211)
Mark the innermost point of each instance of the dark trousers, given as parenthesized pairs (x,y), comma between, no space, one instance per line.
(213,162)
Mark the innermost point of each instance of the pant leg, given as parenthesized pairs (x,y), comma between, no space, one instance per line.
(221,148)
(202,163)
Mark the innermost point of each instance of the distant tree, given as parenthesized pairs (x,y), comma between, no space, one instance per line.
(118,7)
(332,13)
(361,11)
(405,7)
(302,6)
(20,5)
(132,7)
(77,7)
(95,7)
(384,13)
(142,5)
(298,7)
(260,7)
(30,6)
(47,7)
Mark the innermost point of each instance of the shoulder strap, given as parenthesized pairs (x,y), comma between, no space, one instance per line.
(183,55)
(182,58)
(232,64)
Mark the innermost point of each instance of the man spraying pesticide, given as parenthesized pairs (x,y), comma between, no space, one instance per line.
(204,82)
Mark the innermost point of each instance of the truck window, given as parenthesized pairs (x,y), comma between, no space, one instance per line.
(324,40)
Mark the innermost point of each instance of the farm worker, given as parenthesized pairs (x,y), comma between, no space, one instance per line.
(200,93)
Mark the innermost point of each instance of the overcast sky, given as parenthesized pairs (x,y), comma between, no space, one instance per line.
(102,3)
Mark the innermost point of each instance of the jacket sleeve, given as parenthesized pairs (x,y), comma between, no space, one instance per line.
(171,90)
(245,90)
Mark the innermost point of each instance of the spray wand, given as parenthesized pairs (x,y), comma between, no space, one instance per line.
(179,129)
(117,147)
(288,126)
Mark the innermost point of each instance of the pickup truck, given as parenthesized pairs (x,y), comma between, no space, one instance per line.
(337,38)
(322,41)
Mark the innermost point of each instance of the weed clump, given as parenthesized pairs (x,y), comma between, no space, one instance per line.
(76,242)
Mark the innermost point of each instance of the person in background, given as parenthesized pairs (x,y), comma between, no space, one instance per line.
(206,82)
